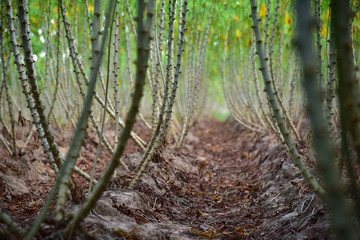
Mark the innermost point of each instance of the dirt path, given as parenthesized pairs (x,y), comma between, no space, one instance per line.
(226,183)
(261,193)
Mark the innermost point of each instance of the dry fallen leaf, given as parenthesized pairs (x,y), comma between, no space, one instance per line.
(217,198)
(122,233)
(199,213)
(203,165)
(241,231)
(204,232)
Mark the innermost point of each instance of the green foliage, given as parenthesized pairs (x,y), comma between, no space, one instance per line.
(231,41)
(220,115)
(227,13)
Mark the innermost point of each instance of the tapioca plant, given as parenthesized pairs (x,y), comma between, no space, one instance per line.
(194,79)
(317,92)
(27,70)
(333,195)
(275,103)
(172,78)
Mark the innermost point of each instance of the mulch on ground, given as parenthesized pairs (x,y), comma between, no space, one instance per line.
(225,183)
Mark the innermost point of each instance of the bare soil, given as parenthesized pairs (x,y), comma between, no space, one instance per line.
(225,183)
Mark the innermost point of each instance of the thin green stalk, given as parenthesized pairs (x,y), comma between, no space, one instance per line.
(5,82)
(8,221)
(334,192)
(79,135)
(288,141)
(172,97)
(141,66)
(106,98)
(155,134)
(23,16)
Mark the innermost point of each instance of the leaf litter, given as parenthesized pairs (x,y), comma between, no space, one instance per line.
(225,183)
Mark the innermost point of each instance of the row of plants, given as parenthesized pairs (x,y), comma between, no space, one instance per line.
(74,66)
(304,90)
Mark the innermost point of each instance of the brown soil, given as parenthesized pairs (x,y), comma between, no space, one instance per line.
(225,183)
